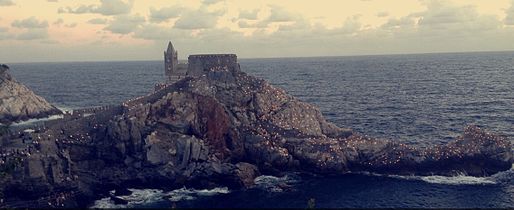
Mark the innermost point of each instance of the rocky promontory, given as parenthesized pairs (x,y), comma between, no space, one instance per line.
(18,103)
(222,128)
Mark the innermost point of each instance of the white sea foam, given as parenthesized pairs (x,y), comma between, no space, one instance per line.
(460,179)
(146,196)
(191,194)
(137,197)
(51,117)
(36,120)
(64,109)
(273,183)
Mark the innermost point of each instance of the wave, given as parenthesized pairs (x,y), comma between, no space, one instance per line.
(37,120)
(137,197)
(276,184)
(65,108)
(140,197)
(503,177)
(458,180)
(191,194)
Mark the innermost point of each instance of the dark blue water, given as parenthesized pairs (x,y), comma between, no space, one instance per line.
(417,99)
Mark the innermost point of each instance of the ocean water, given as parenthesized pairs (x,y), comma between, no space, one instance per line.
(421,100)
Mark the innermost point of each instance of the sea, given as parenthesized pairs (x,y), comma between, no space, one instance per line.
(419,99)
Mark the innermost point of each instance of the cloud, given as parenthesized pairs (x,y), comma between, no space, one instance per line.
(509,19)
(198,19)
(32,34)
(31,22)
(253,24)
(156,32)
(124,24)
(249,14)
(58,22)
(6,3)
(106,7)
(166,13)
(245,24)
(49,41)
(351,26)
(209,2)
(98,21)
(444,19)
(71,25)
(279,14)
(4,33)
(382,14)
(34,29)
(399,22)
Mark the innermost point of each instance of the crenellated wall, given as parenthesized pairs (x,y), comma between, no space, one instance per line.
(201,64)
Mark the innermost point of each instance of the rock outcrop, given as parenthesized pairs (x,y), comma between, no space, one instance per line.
(17,102)
(224,128)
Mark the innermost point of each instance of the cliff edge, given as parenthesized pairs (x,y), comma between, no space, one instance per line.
(18,103)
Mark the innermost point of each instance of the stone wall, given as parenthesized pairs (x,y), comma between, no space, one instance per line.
(199,65)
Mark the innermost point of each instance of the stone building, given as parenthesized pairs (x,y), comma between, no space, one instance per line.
(199,65)
(170,61)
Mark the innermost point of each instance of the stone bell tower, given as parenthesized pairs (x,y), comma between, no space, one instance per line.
(170,61)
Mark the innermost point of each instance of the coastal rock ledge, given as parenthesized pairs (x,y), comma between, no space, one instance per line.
(223,128)
(18,103)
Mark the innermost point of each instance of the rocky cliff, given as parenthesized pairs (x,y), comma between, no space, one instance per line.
(17,102)
(223,128)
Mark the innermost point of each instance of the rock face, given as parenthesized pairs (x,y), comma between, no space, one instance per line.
(224,128)
(17,102)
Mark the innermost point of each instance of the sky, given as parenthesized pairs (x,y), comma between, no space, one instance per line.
(101,30)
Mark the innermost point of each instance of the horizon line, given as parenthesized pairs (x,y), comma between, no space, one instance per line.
(278,57)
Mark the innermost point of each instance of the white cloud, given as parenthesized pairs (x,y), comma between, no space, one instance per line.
(106,7)
(6,3)
(32,34)
(124,24)
(198,19)
(382,14)
(58,22)
(402,22)
(434,26)
(97,21)
(31,22)
(156,32)
(209,2)
(450,21)
(279,14)
(166,13)
(71,25)
(249,14)
(509,19)
(4,33)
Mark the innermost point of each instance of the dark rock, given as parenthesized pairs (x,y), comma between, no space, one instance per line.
(225,128)
(121,191)
(247,173)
